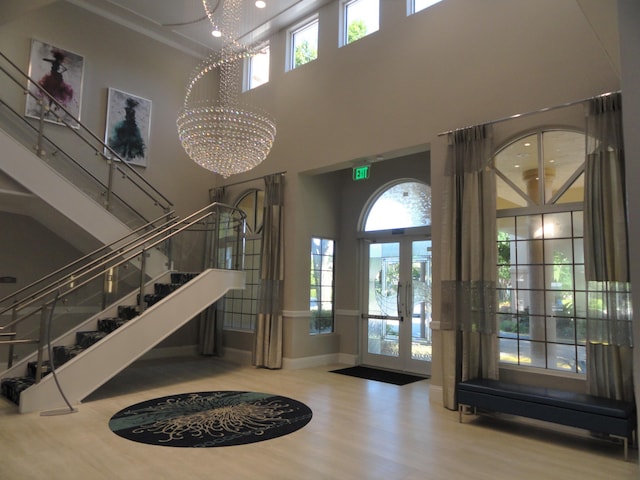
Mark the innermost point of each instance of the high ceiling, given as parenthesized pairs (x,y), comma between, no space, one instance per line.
(184,25)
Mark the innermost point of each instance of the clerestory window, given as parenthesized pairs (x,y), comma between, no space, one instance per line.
(303,43)
(359,19)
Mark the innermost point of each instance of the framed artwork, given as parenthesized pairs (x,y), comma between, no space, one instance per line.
(59,72)
(128,126)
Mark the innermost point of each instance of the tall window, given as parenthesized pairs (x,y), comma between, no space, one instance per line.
(359,19)
(257,68)
(240,306)
(542,301)
(321,286)
(303,40)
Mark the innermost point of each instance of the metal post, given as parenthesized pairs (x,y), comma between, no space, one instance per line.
(216,238)
(39,149)
(41,341)
(14,315)
(143,264)
(112,166)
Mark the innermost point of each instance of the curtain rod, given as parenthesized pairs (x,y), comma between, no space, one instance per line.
(542,110)
(251,179)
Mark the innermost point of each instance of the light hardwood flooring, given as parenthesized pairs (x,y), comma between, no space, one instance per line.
(360,430)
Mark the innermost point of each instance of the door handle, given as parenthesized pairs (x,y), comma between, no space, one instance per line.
(398,302)
(409,300)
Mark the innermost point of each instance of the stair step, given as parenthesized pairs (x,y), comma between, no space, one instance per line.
(127,312)
(165,288)
(62,354)
(108,325)
(12,387)
(32,368)
(86,339)
(182,278)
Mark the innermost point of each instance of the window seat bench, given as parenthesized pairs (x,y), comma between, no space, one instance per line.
(600,415)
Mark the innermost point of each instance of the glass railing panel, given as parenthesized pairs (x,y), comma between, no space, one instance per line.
(118,275)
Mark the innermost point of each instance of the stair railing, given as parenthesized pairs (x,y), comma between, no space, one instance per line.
(212,237)
(101,178)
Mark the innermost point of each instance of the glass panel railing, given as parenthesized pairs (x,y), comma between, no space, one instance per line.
(74,151)
(117,276)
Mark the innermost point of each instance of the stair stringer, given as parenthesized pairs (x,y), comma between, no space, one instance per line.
(83,374)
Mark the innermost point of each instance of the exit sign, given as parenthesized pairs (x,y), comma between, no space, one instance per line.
(361,173)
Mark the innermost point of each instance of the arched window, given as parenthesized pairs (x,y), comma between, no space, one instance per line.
(541,284)
(240,306)
(403,205)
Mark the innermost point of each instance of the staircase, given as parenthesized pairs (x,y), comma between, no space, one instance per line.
(106,344)
(98,200)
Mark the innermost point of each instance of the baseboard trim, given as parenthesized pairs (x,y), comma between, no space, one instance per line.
(236,356)
(168,352)
(435,394)
(318,361)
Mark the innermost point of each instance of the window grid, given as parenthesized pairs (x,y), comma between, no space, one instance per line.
(542,314)
(241,306)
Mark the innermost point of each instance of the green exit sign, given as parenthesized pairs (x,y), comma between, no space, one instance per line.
(361,173)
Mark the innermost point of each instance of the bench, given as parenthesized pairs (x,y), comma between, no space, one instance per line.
(596,414)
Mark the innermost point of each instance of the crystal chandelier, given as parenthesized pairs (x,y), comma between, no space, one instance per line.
(223,135)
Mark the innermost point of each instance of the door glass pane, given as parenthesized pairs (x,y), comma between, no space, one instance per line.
(421,305)
(384,275)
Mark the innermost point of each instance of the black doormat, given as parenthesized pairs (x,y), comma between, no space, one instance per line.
(210,419)
(386,376)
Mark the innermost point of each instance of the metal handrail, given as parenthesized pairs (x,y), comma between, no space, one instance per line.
(59,149)
(123,167)
(95,269)
(98,252)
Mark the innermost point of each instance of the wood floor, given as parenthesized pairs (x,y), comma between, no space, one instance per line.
(360,430)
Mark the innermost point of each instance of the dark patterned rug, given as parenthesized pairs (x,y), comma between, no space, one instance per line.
(210,419)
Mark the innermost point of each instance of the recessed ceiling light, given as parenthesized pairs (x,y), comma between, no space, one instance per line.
(261,4)
(216,33)
(516,166)
(527,144)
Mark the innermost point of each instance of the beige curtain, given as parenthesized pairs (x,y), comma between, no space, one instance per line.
(469,252)
(267,350)
(609,315)
(207,335)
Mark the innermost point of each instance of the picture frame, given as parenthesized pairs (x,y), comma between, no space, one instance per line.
(59,72)
(128,126)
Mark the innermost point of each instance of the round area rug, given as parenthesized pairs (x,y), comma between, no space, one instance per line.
(210,419)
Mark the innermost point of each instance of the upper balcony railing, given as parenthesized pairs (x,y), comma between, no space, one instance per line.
(74,151)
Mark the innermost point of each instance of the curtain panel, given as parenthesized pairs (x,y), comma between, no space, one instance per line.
(469,258)
(609,314)
(267,350)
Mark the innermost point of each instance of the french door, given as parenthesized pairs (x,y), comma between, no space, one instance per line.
(397,302)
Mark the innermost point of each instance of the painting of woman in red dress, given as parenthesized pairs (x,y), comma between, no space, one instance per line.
(53,82)
(58,72)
